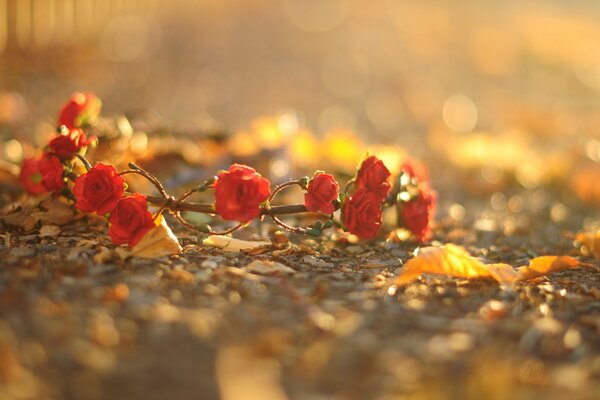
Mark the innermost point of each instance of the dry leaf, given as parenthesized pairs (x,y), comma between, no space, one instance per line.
(265,267)
(49,230)
(159,241)
(541,266)
(590,243)
(231,244)
(56,212)
(454,261)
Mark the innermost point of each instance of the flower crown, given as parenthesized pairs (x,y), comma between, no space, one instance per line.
(240,193)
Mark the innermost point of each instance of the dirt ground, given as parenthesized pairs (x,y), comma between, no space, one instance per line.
(206,324)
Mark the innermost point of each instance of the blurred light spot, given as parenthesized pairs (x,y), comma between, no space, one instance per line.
(592,150)
(346,74)
(128,38)
(243,144)
(267,134)
(530,173)
(456,212)
(12,107)
(385,110)
(288,122)
(13,151)
(558,212)
(460,113)
(336,117)
(515,204)
(572,338)
(304,149)
(279,168)
(343,148)
(139,143)
(491,175)
(498,201)
(315,15)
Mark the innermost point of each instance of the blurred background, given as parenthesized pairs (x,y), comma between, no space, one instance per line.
(390,70)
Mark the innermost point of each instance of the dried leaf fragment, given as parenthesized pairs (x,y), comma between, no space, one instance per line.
(159,241)
(231,244)
(265,267)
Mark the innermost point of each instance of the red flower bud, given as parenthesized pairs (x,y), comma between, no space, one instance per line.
(374,176)
(416,170)
(417,214)
(130,220)
(81,109)
(31,177)
(99,189)
(65,145)
(322,191)
(239,192)
(361,214)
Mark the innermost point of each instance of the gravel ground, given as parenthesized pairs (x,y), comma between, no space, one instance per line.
(321,321)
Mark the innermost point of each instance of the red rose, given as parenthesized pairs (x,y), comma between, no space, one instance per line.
(52,172)
(66,144)
(322,191)
(374,176)
(239,192)
(362,214)
(417,214)
(81,109)
(31,177)
(130,220)
(99,189)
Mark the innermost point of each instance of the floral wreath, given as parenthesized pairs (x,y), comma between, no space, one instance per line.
(240,193)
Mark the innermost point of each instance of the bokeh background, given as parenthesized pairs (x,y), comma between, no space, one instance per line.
(390,70)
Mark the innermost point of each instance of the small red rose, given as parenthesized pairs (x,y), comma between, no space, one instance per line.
(239,192)
(374,176)
(99,189)
(31,177)
(415,170)
(417,214)
(67,144)
(81,109)
(322,191)
(130,220)
(361,214)
(52,172)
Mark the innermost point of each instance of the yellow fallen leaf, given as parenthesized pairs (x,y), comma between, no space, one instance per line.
(454,261)
(231,244)
(159,241)
(544,265)
(590,243)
